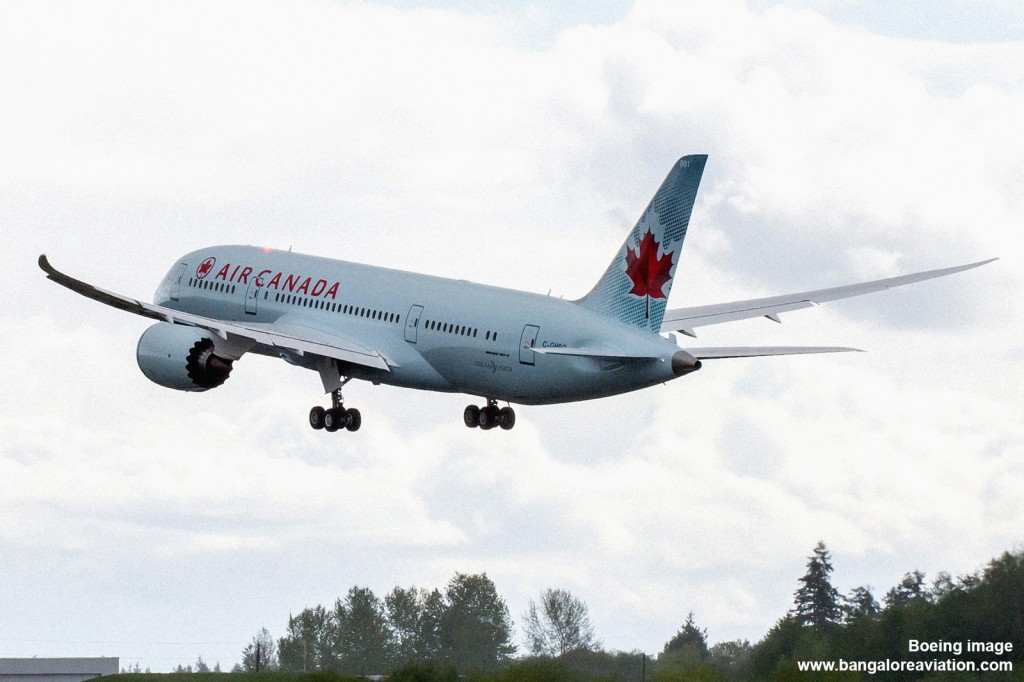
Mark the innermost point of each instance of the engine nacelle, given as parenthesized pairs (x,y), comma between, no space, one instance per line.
(181,358)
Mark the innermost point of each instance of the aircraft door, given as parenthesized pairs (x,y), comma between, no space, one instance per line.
(528,341)
(251,296)
(412,323)
(176,284)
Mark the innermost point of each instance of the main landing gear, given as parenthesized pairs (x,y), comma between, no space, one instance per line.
(489,416)
(336,417)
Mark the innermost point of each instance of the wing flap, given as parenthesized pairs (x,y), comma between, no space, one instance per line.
(686,319)
(289,335)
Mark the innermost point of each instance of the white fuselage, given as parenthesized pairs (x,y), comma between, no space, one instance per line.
(436,334)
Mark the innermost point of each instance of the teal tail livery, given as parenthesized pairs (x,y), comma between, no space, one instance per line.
(347,321)
(635,287)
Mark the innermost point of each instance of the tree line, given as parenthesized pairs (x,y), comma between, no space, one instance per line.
(986,607)
(466,629)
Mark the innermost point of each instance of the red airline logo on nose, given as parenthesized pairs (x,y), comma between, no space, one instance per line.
(204,268)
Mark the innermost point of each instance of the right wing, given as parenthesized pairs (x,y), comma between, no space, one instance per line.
(686,319)
(290,336)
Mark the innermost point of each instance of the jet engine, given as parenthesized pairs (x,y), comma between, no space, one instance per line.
(182,358)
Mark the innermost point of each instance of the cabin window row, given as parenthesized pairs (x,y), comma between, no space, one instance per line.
(461,330)
(212,286)
(340,308)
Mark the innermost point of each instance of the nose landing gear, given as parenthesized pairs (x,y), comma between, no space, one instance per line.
(489,416)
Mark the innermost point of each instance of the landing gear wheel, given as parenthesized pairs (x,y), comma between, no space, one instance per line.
(506,418)
(471,416)
(334,419)
(316,417)
(488,417)
(355,419)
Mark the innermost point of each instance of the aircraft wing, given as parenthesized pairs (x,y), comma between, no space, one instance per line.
(686,319)
(762,351)
(292,336)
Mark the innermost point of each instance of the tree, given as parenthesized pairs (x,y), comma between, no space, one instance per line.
(415,619)
(816,601)
(308,644)
(690,642)
(561,624)
(200,666)
(730,658)
(363,643)
(861,603)
(911,588)
(431,638)
(263,642)
(476,629)
(404,612)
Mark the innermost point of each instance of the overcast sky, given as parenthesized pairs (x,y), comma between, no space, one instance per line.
(512,144)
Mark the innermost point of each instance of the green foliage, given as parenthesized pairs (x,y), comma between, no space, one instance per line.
(476,629)
(363,637)
(560,624)
(604,665)
(690,643)
(424,672)
(816,601)
(465,634)
(532,670)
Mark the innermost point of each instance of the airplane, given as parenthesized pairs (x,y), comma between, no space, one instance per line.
(349,321)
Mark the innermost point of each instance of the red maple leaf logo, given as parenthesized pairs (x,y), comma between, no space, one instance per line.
(648,272)
(204,268)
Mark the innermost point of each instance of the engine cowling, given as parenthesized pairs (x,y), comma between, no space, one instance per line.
(182,358)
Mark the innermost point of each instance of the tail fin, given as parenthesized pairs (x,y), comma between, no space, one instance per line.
(635,287)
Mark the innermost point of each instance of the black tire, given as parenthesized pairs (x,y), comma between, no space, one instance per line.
(333,420)
(471,416)
(488,417)
(316,417)
(506,418)
(355,420)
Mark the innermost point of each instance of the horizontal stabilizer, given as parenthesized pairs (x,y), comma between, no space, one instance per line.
(761,351)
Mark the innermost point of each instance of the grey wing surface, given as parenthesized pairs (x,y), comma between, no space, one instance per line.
(685,320)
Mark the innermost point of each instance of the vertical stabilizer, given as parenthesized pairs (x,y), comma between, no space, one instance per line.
(635,287)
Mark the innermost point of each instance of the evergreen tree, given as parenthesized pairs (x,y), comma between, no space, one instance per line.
(691,641)
(816,602)
(861,603)
(911,588)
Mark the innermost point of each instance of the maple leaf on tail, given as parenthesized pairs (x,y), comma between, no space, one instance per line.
(646,271)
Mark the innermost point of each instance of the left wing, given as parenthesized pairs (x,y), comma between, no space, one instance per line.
(762,351)
(686,319)
(293,337)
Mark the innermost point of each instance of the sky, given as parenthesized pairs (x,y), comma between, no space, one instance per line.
(512,144)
